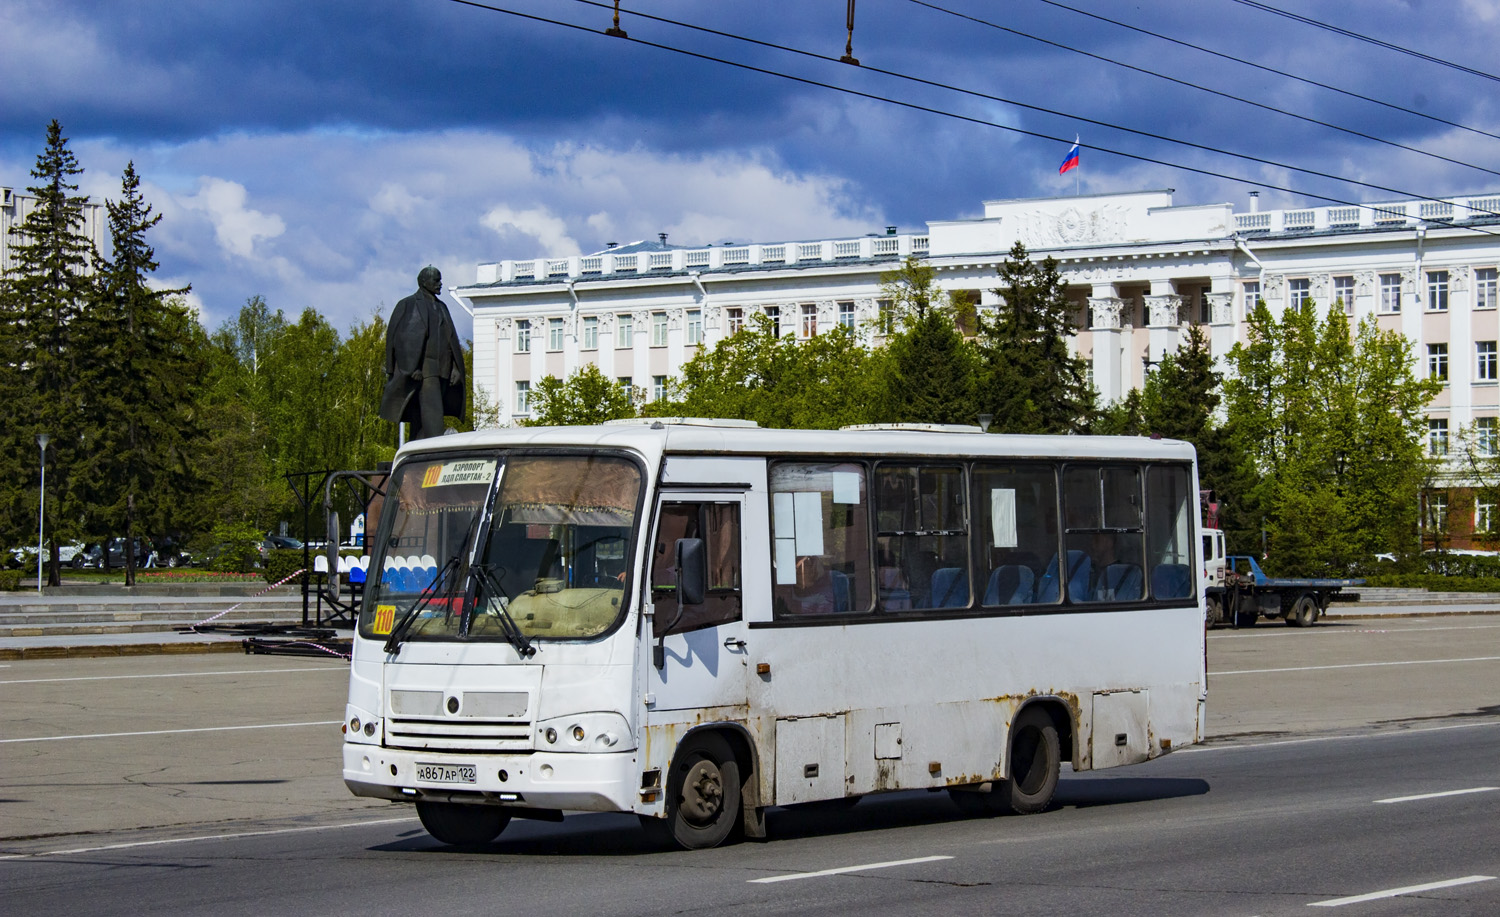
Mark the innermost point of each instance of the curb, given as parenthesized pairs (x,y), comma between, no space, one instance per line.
(126,649)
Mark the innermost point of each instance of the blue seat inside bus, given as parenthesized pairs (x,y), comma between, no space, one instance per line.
(1009,584)
(1120,583)
(1171,581)
(1080,575)
(950,588)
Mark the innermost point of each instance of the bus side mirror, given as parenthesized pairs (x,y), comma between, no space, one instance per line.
(692,571)
(332,550)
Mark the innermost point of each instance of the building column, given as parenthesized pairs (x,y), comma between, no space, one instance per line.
(503,393)
(1104,321)
(1163,321)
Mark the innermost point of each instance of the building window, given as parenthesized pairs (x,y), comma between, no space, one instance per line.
(624,331)
(695,326)
(1299,290)
(774,314)
(1488,369)
(1485,288)
(1436,517)
(809,327)
(1252,296)
(1437,436)
(658,329)
(887,316)
(1437,362)
(523,397)
(1484,515)
(734,319)
(591,332)
(523,336)
(1390,293)
(1437,291)
(659,388)
(846,315)
(1343,291)
(554,333)
(1485,441)
(628,384)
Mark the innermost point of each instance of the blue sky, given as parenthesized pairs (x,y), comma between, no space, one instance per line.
(319,154)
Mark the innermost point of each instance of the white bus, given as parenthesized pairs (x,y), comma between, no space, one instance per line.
(693,620)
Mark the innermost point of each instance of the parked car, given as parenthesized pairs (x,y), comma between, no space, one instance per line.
(24,556)
(278,543)
(93,556)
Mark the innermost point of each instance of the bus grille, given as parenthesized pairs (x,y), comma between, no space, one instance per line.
(454,735)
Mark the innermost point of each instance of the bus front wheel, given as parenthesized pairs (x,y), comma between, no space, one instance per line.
(462,825)
(703,794)
(1035,762)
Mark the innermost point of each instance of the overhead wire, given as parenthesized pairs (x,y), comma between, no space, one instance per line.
(914,106)
(1378,42)
(1249,63)
(945,86)
(1225,95)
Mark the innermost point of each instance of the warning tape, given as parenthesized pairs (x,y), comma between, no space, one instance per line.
(193,628)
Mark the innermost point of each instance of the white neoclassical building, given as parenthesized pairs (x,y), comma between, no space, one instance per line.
(16,205)
(1140,270)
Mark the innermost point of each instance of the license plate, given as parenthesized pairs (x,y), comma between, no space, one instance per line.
(445,773)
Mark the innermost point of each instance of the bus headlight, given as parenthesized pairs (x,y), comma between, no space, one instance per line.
(586,732)
(361,726)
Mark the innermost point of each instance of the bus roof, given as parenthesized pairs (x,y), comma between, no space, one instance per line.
(655,437)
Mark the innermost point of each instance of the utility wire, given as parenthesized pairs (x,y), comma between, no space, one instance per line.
(913,106)
(1248,63)
(1148,134)
(1339,30)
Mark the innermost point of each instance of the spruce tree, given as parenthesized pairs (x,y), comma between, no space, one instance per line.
(138,369)
(1029,379)
(41,296)
(927,365)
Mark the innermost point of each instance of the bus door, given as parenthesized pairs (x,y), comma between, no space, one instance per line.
(698,652)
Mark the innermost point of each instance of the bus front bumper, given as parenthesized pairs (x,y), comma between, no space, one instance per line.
(587,782)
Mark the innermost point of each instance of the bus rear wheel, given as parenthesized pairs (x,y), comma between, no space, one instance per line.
(703,794)
(462,825)
(1035,762)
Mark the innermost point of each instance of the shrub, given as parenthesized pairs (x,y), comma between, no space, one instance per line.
(10,580)
(283,562)
(235,546)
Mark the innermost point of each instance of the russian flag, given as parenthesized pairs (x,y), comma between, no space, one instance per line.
(1071,160)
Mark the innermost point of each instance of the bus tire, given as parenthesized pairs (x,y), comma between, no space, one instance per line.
(1035,762)
(1304,612)
(462,825)
(703,793)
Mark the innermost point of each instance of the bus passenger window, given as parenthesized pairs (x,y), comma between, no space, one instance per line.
(1169,532)
(820,538)
(718,524)
(1016,509)
(1102,508)
(922,544)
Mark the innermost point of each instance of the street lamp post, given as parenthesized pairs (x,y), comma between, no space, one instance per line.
(42,440)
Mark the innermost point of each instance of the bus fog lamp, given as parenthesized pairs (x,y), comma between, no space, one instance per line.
(578,734)
(550,735)
(369,729)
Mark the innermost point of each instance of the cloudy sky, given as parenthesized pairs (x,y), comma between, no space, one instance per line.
(320,153)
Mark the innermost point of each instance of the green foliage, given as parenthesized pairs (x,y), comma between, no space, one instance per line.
(1028,379)
(926,373)
(776,381)
(283,562)
(586,397)
(10,580)
(1333,423)
(235,547)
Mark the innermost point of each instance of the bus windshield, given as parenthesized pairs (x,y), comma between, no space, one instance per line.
(551,563)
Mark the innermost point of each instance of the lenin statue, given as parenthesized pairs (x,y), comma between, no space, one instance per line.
(424,363)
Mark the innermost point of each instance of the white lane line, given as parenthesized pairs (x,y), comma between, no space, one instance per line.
(1353,665)
(1199,749)
(204,837)
(168,732)
(1397,892)
(40,681)
(1477,789)
(843,869)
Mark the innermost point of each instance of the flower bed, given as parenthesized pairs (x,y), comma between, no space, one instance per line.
(193,576)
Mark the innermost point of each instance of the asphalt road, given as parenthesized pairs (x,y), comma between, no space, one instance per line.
(1317,792)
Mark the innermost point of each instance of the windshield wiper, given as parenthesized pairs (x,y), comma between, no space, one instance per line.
(393,642)
(500,602)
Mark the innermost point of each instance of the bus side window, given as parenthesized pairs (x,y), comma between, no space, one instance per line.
(820,538)
(1016,509)
(718,524)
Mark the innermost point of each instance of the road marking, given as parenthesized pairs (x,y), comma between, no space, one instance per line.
(1477,789)
(1396,892)
(1352,665)
(843,869)
(168,732)
(1198,749)
(38,681)
(204,837)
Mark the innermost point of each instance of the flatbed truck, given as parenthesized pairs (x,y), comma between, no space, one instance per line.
(1244,594)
